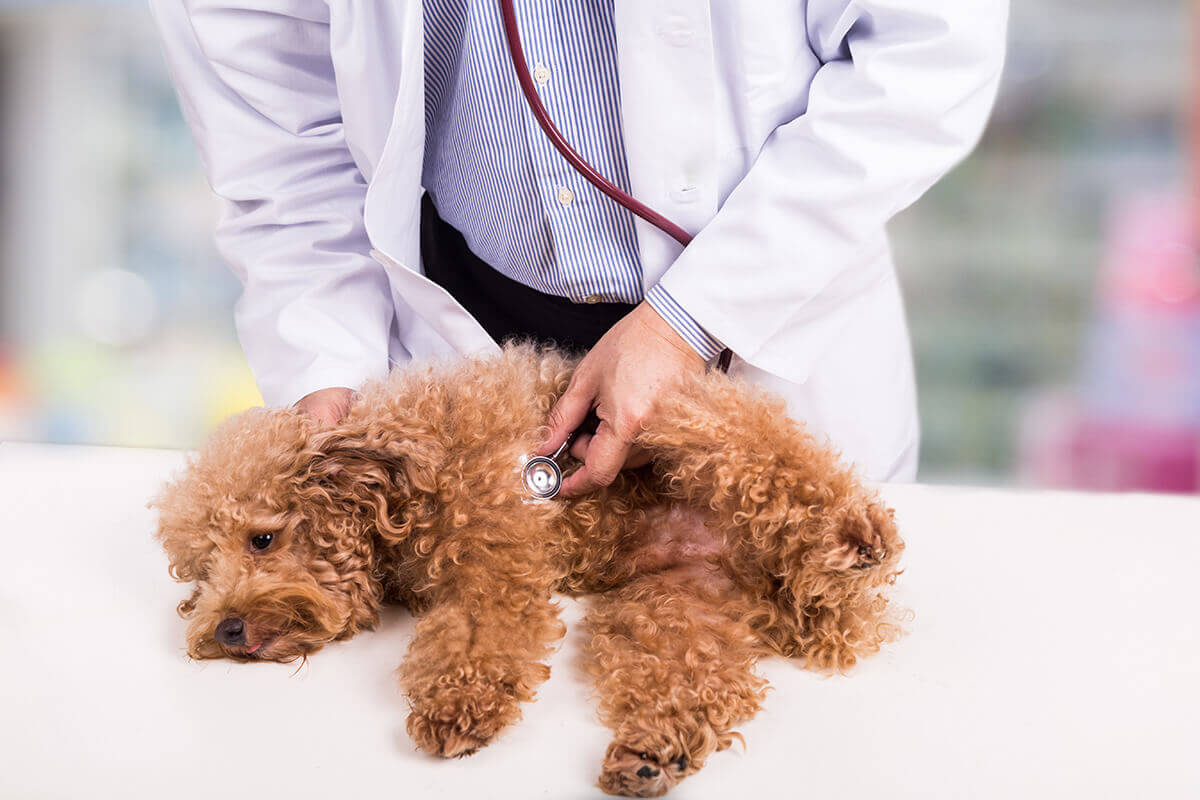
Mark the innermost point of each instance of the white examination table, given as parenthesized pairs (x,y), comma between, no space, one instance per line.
(1054,653)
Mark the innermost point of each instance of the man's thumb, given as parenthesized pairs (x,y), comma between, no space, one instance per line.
(567,415)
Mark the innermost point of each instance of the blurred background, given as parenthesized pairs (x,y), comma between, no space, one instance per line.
(1053,280)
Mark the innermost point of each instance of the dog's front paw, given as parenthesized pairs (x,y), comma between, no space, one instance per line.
(455,714)
(646,765)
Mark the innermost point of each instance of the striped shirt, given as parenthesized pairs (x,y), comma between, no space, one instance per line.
(495,176)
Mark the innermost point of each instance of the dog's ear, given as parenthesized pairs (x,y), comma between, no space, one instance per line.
(392,471)
(401,463)
(187,552)
(183,535)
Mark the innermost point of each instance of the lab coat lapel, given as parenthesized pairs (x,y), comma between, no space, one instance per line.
(668,106)
(392,215)
(393,205)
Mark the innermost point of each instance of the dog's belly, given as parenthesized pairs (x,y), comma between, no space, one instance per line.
(682,542)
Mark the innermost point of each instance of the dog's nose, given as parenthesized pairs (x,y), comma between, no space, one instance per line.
(231,631)
(647,772)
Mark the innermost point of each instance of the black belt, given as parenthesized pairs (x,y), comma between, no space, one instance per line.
(506,308)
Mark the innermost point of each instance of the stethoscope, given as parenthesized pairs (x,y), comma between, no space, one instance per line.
(542,475)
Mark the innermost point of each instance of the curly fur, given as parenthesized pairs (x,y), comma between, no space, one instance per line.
(745,537)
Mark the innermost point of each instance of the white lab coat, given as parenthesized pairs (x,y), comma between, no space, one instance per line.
(783,133)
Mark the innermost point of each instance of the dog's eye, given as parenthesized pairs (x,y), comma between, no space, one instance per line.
(262,541)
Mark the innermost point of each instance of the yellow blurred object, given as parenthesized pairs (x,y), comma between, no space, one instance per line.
(233,391)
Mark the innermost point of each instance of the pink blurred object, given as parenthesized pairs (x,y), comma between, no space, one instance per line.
(1151,258)
(1061,449)
(1135,421)
(1125,456)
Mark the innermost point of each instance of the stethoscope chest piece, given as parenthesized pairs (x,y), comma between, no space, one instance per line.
(542,476)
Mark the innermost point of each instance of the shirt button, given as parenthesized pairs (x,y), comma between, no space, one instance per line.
(541,74)
(592,299)
(565,197)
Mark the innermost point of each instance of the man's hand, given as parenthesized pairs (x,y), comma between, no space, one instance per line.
(327,406)
(640,359)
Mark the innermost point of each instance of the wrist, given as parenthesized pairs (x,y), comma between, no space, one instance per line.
(662,330)
(683,323)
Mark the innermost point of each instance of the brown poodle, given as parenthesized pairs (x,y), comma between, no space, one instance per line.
(744,537)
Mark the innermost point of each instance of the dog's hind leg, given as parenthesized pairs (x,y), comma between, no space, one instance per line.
(799,522)
(674,670)
(727,447)
(480,648)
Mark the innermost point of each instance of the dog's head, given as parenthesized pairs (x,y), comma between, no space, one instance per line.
(277,522)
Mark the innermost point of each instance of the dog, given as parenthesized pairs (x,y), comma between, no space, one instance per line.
(744,537)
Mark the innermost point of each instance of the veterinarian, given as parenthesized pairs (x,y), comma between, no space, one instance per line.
(784,134)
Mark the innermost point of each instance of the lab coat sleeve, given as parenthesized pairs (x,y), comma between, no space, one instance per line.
(903,94)
(257,86)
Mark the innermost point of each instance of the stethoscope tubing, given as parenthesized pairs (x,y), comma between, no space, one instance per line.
(560,143)
(517,53)
(542,475)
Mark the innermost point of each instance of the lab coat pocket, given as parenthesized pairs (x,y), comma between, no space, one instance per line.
(431,310)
